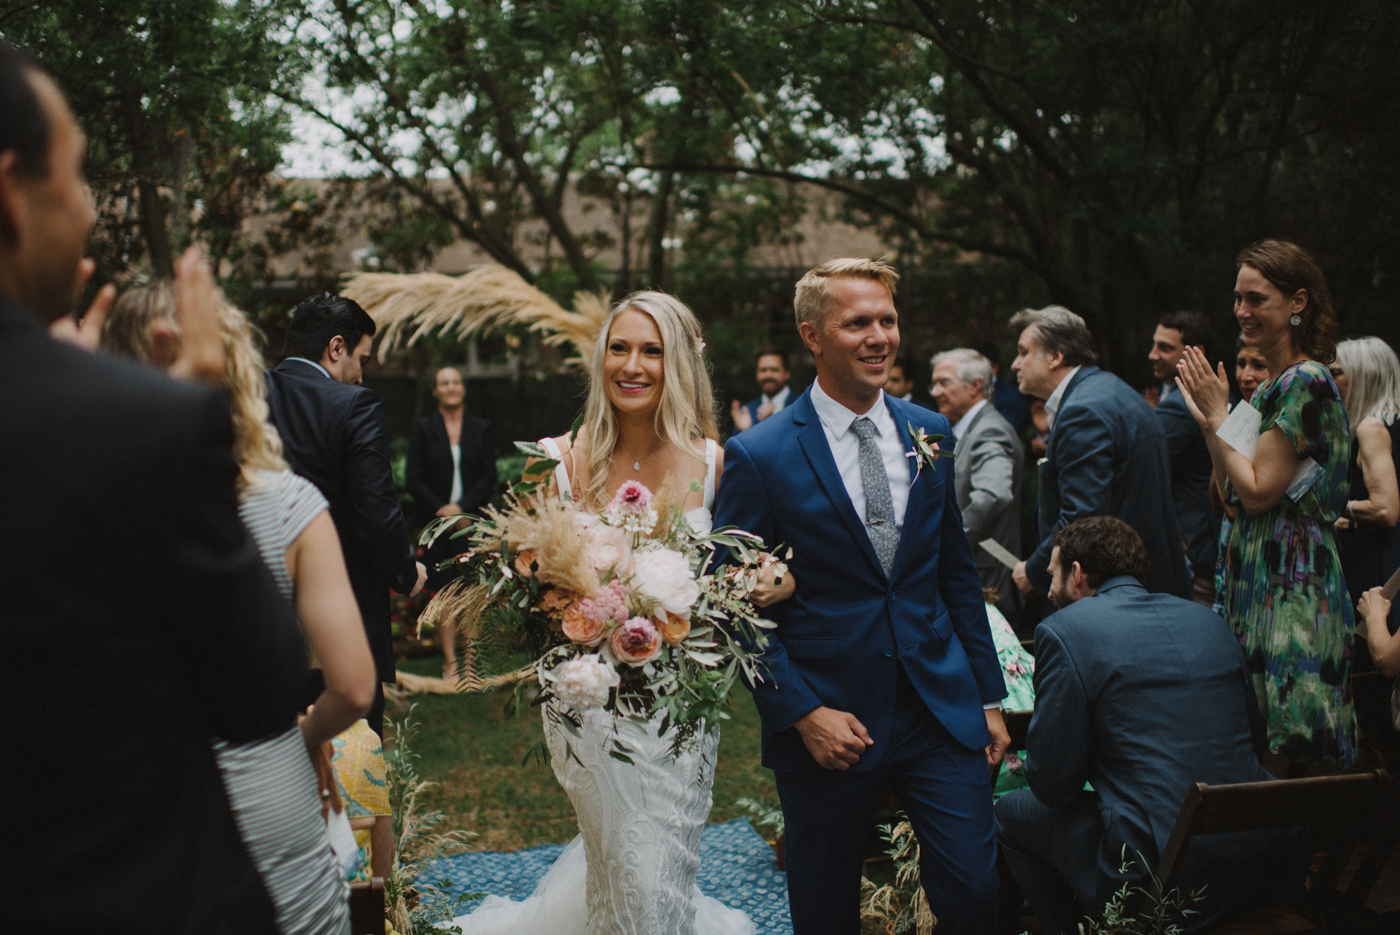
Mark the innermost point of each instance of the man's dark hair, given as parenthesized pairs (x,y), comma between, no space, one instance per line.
(1104,546)
(24,127)
(772,350)
(903,366)
(321,318)
(1194,327)
(1058,330)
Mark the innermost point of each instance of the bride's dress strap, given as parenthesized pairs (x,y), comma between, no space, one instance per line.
(561,474)
(711,456)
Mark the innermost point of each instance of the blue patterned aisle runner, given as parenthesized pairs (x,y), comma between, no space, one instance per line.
(736,867)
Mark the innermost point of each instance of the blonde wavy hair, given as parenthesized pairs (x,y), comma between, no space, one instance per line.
(127,332)
(687,408)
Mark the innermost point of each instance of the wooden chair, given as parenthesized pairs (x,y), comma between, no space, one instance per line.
(367,907)
(1348,803)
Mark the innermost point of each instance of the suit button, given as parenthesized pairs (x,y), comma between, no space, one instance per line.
(889,651)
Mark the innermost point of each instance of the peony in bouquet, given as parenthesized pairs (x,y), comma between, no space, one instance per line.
(617,611)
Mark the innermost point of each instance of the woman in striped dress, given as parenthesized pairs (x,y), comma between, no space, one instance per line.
(272,788)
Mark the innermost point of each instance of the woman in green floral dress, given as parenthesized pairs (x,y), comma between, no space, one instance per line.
(1284,595)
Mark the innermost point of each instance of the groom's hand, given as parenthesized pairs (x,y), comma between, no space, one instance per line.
(835,739)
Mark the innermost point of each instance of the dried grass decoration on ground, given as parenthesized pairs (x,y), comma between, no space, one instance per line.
(616,611)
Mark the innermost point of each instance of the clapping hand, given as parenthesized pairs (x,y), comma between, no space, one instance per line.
(742,420)
(764,411)
(88,332)
(1372,603)
(1207,393)
(197,334)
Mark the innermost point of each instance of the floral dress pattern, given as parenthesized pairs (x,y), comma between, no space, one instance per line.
(1284,595)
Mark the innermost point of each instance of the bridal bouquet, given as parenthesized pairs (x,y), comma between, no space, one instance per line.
(615,611)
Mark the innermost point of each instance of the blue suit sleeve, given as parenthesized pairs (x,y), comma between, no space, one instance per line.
(1083,457)
(961,590)
(783,695)
(1057,742)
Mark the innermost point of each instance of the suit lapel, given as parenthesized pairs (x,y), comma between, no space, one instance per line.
(812,437)
(913,509)
(967,432)
(1074,381)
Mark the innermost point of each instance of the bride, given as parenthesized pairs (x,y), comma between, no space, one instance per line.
(649,417)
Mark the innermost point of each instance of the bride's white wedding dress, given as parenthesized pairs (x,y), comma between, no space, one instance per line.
(631,870)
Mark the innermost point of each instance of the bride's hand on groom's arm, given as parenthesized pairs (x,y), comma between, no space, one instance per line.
(775,583)
(836,739)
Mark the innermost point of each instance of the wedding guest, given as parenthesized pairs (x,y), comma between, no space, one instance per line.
(271,784)
(171,632)
(1186,449)
(900,385)
(1251,371)
(1007,397)
(1283,593)
(772,375)
(335,435)
(1138,695)
(987,481)
(1106,455)
(1368,539)
(451,471)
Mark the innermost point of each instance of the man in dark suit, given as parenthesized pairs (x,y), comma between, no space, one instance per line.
(1106,455)
(900,385)
(335,435)
(1139,695)
(130,646)
(772,374)
(882,668)
(1186,447)
(990,465)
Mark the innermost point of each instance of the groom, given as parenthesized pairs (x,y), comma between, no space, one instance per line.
(883,667)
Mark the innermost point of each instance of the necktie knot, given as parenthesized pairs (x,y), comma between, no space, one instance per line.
(865,429)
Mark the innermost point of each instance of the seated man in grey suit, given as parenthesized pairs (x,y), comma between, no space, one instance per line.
(989,461)
(1140,695)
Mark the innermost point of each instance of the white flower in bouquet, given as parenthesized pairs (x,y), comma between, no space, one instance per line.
(665,576)
(630,508)
(583,683)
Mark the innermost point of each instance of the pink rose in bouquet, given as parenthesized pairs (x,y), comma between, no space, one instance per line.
(630,508)
(607,546)
(636,642)
(587,620)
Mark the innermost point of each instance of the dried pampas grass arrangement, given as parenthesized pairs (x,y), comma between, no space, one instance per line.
(410,306)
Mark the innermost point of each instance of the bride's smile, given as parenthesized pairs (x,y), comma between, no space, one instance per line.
(633,369)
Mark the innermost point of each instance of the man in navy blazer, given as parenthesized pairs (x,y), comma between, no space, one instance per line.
(1186,446)
(335,435)
(1106,455)
(771,373)
(1139,695)
(882,668)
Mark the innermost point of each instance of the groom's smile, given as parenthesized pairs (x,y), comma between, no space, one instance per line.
(855,345)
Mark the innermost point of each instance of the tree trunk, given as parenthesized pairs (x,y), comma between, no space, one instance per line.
(153,217)
(656,231)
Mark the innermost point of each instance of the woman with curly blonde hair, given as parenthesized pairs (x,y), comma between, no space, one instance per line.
(272,787)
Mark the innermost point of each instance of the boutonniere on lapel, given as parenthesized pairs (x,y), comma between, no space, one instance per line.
(926,450)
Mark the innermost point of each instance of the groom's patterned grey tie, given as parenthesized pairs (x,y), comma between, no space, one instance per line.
(879,508)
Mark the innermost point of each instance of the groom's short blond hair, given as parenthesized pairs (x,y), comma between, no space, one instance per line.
(814,297)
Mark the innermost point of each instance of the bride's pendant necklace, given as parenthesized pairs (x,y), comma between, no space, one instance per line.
(637,462)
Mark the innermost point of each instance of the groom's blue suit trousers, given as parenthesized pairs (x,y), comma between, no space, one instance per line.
(944,788)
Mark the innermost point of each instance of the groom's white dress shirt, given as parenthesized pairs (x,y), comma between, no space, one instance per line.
(845,449)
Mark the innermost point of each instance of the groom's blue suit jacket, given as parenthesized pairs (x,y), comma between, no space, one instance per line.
(841,634)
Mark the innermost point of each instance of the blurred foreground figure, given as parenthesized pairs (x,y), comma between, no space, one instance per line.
(159,619)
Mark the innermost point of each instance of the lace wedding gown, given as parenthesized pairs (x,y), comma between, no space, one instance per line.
(631,870)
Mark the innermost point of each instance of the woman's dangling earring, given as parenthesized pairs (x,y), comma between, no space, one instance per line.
(1295,321)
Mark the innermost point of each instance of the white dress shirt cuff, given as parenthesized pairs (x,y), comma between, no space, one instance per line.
(990,705)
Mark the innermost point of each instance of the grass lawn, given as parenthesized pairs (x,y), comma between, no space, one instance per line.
(474,753)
